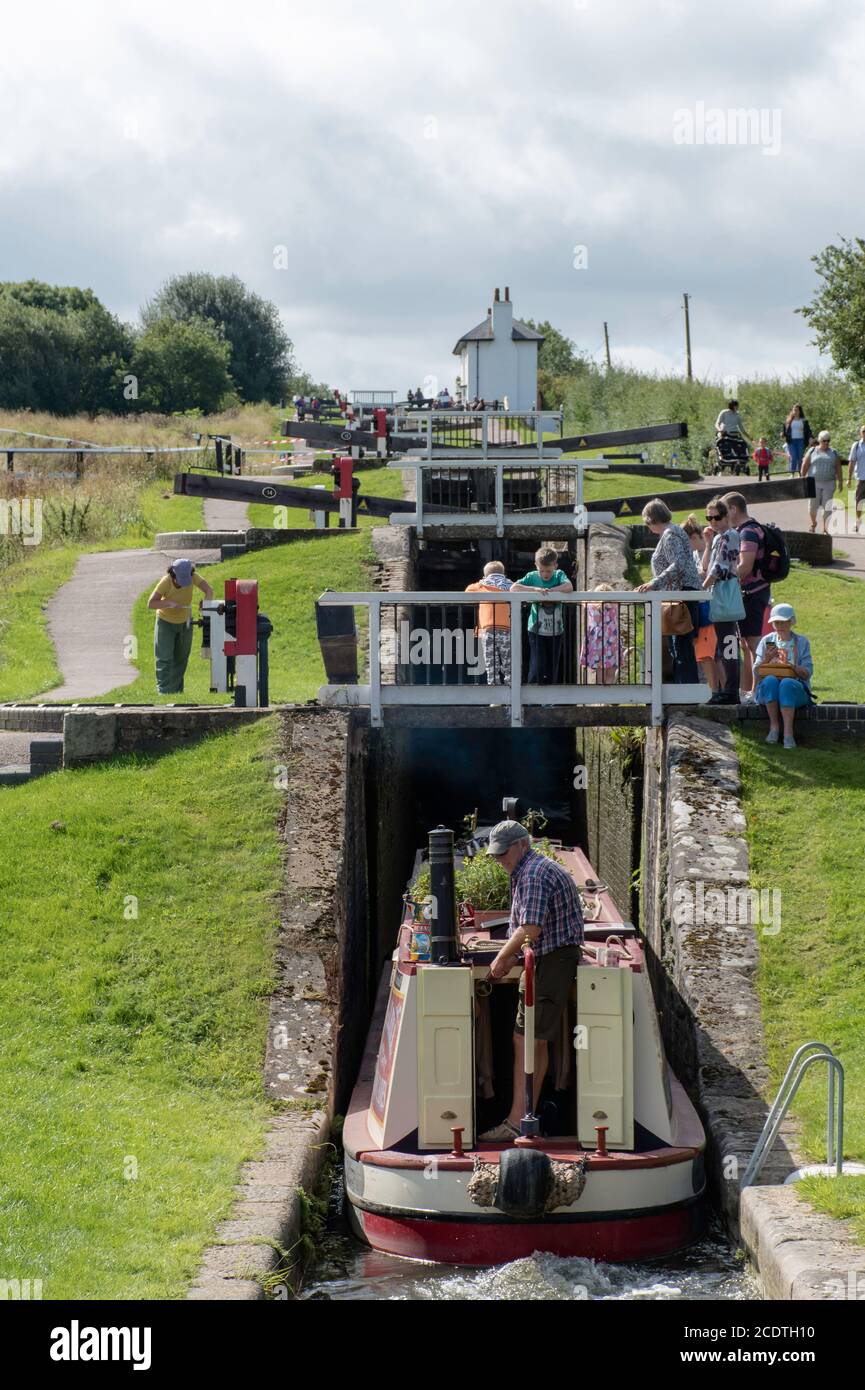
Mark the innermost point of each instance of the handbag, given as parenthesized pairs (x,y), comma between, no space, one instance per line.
(725,602)
(675,619)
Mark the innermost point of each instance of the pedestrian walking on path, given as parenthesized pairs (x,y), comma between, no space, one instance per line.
(823,464)
(171,600)
(857,467)
(797,434)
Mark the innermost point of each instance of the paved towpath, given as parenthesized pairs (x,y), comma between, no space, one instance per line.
(90,618)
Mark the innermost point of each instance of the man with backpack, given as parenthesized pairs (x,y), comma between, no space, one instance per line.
(763,557)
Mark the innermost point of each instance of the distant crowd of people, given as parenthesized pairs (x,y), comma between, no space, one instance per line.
(445,401)
(807,455)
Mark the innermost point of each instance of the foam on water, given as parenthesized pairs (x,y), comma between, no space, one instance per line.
(347,1271)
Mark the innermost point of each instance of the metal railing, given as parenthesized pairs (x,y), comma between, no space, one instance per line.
(373,398)
(424,649)
(487,493)
(786,1091)
(481,430)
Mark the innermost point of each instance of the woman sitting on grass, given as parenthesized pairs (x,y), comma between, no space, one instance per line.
(783,648)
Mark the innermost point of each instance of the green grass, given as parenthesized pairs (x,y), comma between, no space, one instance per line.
(132,1047)
(161,510)
(375,482)
(602,484)
(843,1198)
(805,812)
(27,657)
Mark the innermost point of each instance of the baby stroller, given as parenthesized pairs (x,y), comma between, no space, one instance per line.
(730,454)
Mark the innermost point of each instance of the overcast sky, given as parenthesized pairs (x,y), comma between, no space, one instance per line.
(410,155)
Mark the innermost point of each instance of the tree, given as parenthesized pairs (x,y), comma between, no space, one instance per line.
(182,366)
(260,349)
(60,350)
(558,355)
(837,311)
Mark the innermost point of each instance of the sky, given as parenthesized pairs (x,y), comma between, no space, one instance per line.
(377,170)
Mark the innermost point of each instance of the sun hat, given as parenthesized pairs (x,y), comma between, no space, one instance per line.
(505,834)
(783,612)
(182,570)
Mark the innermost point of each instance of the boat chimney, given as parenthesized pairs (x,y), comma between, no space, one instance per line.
(443,933)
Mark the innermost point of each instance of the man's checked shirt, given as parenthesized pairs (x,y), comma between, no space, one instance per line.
(545,895)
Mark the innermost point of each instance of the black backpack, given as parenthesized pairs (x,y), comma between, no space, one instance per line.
(774,563)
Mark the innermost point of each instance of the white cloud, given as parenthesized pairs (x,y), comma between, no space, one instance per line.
(139,144)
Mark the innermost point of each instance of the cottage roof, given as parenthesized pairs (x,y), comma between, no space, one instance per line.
(520,333)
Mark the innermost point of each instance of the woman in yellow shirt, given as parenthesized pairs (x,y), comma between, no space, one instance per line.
(171,600)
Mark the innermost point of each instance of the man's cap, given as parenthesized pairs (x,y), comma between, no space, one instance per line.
(505,834)
(783,612)
(182,572)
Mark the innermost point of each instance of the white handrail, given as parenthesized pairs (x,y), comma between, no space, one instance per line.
(654,691)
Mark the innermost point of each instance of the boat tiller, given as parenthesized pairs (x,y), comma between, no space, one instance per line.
(529,1124)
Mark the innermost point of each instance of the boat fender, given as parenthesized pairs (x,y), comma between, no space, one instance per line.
(525,1181)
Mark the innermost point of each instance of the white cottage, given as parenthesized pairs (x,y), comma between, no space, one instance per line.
(499,358)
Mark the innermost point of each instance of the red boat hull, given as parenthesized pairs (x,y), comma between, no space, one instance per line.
(617,1240)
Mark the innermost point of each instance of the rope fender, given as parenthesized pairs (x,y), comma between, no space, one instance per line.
(566,1187)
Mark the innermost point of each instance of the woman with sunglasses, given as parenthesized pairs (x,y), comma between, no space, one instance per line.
(720,561)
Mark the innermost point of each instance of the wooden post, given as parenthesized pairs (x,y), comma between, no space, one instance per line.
(607,346)
(688,371)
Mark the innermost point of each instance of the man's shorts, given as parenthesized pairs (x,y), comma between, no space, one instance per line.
(755,607)
(860,490)
(554,975)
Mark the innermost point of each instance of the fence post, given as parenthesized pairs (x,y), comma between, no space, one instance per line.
(418,491)
(516,608)
(653,613)
(375,662)
(500,497)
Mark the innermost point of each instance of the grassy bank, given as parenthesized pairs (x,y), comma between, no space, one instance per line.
(805,813)
(27,657)
(132,1044)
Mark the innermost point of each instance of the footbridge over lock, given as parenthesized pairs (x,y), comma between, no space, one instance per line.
(421,661)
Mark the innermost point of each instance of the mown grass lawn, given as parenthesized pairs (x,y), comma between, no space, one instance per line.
(27,657)
(132,1044)
(806,817)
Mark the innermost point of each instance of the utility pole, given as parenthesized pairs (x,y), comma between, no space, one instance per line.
(607,346)
(688,372)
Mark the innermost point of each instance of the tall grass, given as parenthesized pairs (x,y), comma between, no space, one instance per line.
(117,499)
(623,398)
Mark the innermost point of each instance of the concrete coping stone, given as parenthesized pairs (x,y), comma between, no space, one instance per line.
(801,1254)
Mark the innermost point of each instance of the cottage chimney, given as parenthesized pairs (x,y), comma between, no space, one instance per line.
(496,296)
(507,295)
(503,317)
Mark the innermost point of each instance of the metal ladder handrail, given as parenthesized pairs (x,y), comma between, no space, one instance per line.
(786,1092)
